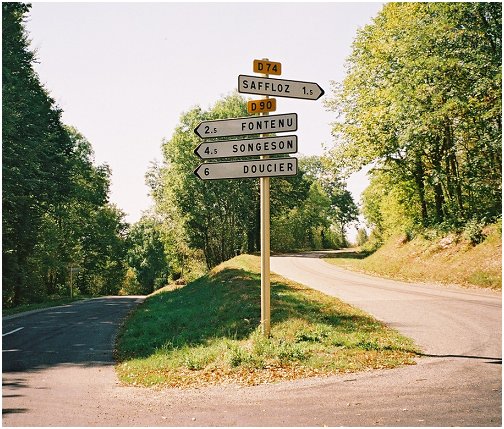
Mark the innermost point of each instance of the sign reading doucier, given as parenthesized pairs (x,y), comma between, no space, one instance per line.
(247,125)
(247,169)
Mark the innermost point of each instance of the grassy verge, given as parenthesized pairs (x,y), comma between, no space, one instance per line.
(450,260)
(206,333)
(55,302)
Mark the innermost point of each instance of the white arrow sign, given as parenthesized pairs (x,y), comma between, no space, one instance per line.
(279,87)
(247,169)
(248,125)
(251,147)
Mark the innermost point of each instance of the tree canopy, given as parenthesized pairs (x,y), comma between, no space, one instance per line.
(56,215)
(421,102)
(221,217)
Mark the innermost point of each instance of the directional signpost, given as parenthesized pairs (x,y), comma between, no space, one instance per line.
(264,146)
(279,87)
(249,147)
(247,125)
(72,270)
(247,169)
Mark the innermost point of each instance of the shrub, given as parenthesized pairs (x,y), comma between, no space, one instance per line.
(473,231)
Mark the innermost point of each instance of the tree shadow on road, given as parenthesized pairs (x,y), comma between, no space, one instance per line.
(493,360)
(79,334)
(327,254)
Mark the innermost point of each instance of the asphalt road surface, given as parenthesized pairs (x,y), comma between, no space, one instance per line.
(58,367)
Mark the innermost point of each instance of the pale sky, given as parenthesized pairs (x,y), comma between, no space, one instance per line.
(123,73)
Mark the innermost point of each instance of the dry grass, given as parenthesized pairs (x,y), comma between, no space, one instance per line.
(450,260)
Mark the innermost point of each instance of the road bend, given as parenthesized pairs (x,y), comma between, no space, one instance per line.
(54,356)
(458,330)
(58,366)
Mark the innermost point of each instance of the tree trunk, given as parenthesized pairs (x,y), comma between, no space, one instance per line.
(419,180)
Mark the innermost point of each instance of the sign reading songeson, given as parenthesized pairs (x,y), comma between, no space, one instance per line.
(250,147)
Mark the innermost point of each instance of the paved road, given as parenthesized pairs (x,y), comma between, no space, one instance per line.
(57,369)
(80,333)
(442,320)
(44,345)
(459,329)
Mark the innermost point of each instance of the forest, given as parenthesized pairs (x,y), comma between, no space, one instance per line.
(420,106)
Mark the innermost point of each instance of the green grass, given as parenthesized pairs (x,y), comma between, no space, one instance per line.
(450,260)
(207,333)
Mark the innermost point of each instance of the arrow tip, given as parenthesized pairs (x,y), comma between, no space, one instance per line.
(322,92)
(196,130)
(196,150)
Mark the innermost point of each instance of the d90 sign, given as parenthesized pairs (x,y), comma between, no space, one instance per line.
(261,106)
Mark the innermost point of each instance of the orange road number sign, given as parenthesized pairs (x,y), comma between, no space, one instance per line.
(267,67)
(261,106)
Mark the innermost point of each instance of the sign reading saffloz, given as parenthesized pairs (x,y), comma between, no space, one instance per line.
(279,87)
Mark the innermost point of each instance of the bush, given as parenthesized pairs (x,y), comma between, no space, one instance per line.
(362,236)
(473,231)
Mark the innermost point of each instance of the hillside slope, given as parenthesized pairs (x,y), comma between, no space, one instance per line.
(450,260)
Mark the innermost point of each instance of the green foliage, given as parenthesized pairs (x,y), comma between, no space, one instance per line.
(34,149)
(422,101)
(310,225)
(212,216)
(387,208)
(473,231)
(55,209)
(434,256)
(146,255)
(222,217)
(362,237)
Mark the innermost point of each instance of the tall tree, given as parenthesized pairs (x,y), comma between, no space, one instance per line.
(54,199)
(146,254)
(422,101)
(222,217)
(35,149)
(214,214)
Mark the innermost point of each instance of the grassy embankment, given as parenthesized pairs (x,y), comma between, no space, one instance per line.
(452,259)
(206,333)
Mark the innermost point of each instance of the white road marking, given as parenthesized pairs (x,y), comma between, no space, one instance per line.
(11,332)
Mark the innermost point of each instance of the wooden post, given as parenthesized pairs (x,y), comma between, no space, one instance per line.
(265,247)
